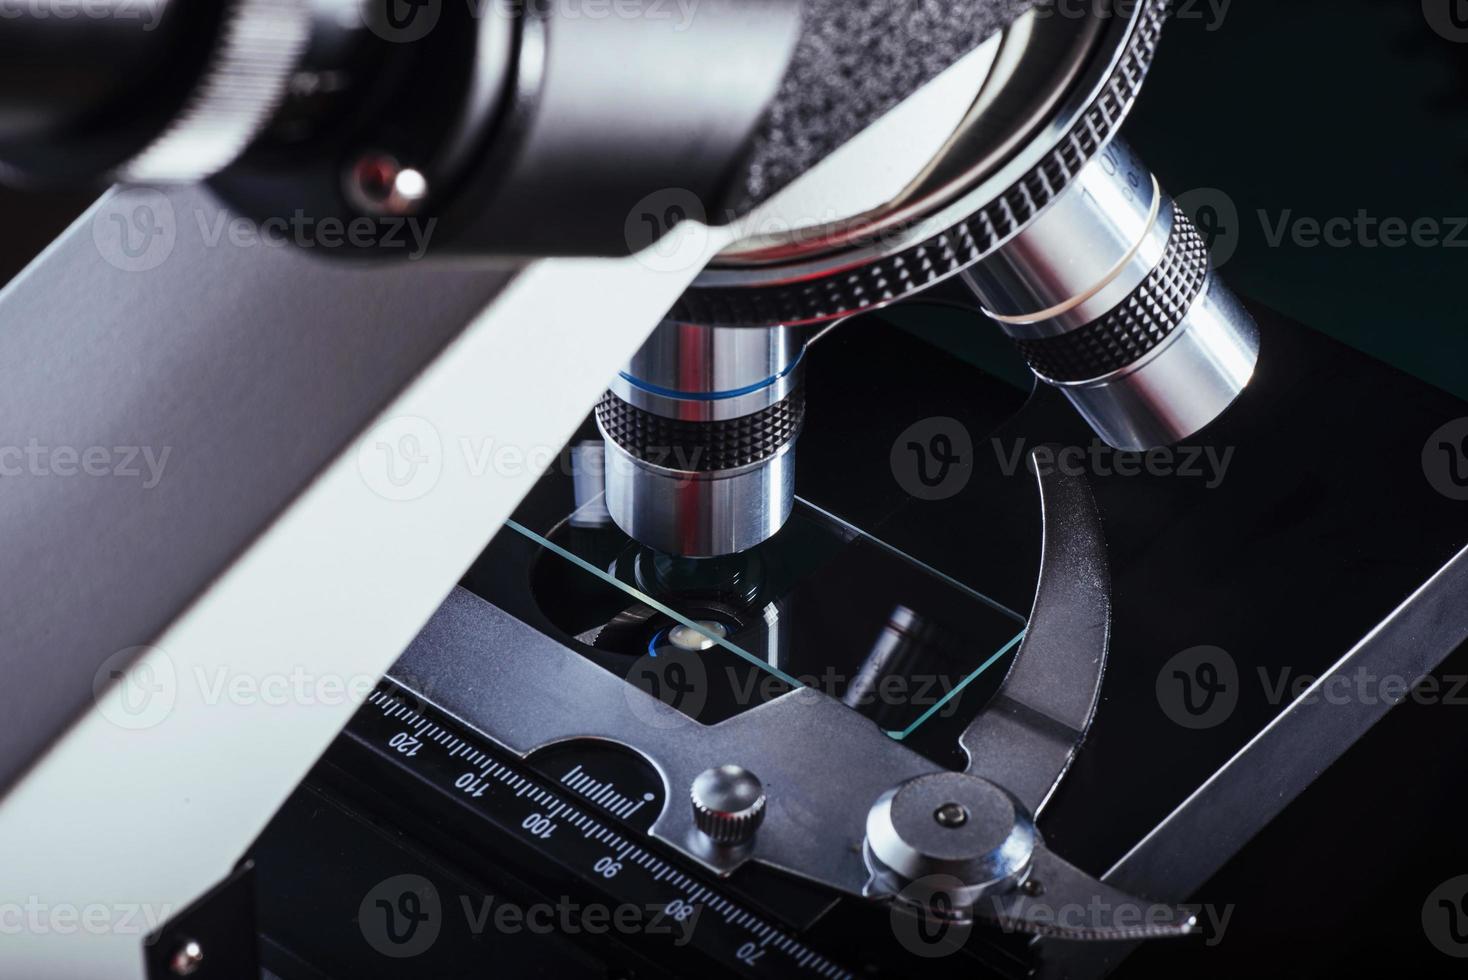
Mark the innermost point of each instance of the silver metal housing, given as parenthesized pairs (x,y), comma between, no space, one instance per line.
(723,387)
(1111,297)
(700,374)
(699,515)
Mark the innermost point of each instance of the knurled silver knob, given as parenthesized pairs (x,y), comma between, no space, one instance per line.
(728,804)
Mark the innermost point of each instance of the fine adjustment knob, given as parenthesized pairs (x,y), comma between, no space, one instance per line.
(728,804)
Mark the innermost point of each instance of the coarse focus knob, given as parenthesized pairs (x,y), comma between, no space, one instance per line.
(728,804)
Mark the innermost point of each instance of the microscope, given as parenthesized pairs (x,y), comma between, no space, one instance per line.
(806,652)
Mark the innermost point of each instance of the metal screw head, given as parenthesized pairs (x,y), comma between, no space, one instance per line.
(189,958)
(951,815)
(728,804)
(951,826)
(378,184)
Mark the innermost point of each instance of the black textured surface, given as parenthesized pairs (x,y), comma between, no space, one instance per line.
(1143,320)
(703,447)
(856,59)
(885,280)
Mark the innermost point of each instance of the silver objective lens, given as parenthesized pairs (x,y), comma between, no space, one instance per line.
(700,432)
(1110,297)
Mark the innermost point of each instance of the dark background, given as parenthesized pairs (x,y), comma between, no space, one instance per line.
(1318,108)
(1324,107)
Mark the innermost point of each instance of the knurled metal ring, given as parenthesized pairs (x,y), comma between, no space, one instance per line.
(702,447)
(245,80)
(1140,323)
(884,280)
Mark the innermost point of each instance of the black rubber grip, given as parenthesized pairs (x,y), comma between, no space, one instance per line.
(1138,325)
(702,447)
